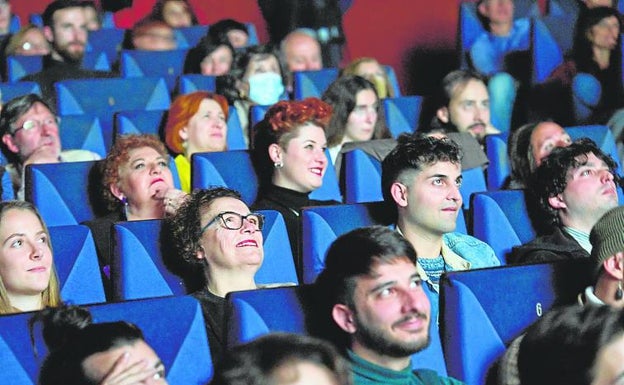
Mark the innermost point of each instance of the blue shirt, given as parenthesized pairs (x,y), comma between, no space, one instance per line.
(488,51)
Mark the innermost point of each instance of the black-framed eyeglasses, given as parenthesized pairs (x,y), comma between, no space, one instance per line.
(32,123)
(234,221)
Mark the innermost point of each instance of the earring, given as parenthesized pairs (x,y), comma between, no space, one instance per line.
(124,201)
(619,293)
(278,165)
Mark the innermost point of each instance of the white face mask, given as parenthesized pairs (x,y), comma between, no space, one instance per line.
(265,88)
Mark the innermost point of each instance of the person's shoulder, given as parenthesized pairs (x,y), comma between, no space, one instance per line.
(78,155)
(475,251)
(431,377)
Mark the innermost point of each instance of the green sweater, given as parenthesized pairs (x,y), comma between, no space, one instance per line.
(367,373)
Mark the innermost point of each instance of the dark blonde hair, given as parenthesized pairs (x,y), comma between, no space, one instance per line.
(51,295)
(119,155)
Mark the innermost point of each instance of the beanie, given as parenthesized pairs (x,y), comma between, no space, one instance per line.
(607,235)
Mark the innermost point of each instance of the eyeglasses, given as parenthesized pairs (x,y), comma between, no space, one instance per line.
(38,124)
(234,221)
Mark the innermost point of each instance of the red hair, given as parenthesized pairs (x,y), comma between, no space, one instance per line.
(285,116)
(182,110)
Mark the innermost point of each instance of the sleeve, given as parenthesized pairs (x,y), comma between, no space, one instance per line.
(482,56)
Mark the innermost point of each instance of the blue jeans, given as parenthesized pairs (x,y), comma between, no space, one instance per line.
(502,89)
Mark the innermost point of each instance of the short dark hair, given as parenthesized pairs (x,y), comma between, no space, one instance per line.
(257,362)
(561,347)
(219,30)
(186,224)
(551,177)
(519,152)
(12,111)
(412,153)
(48,13)
(342,96)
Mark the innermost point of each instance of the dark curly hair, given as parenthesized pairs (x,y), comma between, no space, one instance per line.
(281,123)
(185,225)
(551,177)
(413,153)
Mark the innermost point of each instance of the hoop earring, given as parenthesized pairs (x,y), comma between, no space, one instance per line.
(278,165)
(619,293)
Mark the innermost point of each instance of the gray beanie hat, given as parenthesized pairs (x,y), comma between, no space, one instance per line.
(607,235)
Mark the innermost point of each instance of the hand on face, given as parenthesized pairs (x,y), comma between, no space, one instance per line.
(172,199)
(127,371)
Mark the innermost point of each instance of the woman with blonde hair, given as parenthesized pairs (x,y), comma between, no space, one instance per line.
(28,278)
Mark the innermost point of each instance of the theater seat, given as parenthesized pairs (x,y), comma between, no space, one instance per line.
(313,83)
(165,64)
(483,310)
(402,114)
(13,90)
(188,83)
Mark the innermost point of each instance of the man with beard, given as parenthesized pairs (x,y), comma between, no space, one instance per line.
(65,27)
(375,298)
(463,106)
(572,188)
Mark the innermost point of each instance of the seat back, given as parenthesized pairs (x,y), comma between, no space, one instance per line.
(114,94)
(483,310)
(13,90)
(499,168)
(501,219)
(107,40)
(83,132)
(313,83)
(256,114)
(47,188)
(394,82)
(166,64)
(402,113)
(77,264)
(545,51)
(140,269)
(600,134)
(234,169)
(469,29)
(188,83)
(19,66)
(188,37)
(253,313)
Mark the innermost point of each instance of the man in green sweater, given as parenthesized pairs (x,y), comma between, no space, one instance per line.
(378,306)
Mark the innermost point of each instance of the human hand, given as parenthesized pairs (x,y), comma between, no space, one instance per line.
(126,372)
(172,199)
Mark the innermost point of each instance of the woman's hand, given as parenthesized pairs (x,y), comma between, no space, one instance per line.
(172,199)
(126,372)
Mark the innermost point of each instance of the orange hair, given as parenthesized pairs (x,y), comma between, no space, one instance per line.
(182,110)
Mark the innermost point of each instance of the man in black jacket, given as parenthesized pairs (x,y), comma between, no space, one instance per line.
(573,188)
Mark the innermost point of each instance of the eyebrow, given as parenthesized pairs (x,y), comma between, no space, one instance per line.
(386,284)
(15,235)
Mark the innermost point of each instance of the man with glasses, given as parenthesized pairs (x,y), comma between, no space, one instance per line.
(65,27)
(30,134)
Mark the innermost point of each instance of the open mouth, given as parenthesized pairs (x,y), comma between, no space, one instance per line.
(247,243)
(317,171)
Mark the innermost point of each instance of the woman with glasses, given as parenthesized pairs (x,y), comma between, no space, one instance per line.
(137,184)
(220,242)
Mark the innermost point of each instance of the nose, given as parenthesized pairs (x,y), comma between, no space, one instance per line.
(36,252)
(416,301)
(454,193)
(248,227)
(371,115)
(155,168)
(606,176)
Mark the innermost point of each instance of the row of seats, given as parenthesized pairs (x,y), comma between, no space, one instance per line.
(481,312)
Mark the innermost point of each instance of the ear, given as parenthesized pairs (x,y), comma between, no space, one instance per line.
(47,32)
(482,9)
(200,254)
(343,316)
(275,152)
(443,114)
(116,191)
(8,141)
(399,194)
(614,266)
(557,202)
(183,133)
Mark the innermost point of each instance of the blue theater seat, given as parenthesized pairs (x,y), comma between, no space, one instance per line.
(188,37)
(188,83)
(545,51)
(20,66)
(174,327)
(234,169)
(13,90)
(83,132)
(313,83)
(501,219)
(47,188)
(107,40)
(253,313)
(256,114)
(107,96)
(483,310)
(165,64)
(394,82)
(77,265)
(139,271)
(362,179)
(402,114)
(323,224)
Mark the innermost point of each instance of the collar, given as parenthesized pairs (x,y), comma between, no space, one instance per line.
(580,237)
(367,369)
(588,297)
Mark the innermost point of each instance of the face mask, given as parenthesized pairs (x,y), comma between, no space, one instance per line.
(265,88)
(380,86)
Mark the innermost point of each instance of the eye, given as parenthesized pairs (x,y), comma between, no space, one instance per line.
(309,146)
(43,239)
(138,166)
(437,182)
(415,283)
(163,164)
(17,243)
(387,292)
(586,172)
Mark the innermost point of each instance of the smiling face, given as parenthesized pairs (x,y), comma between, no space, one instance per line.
(218,62)
(206,131)
(604,34)
(544,138)
(98,365)
(589,194)
(25,254)
(144,178)
(391,311)
(361,122)
(226,249)
(304,161)
(37,144)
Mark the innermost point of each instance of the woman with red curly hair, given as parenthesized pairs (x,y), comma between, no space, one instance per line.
(197,122)
(289,156)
